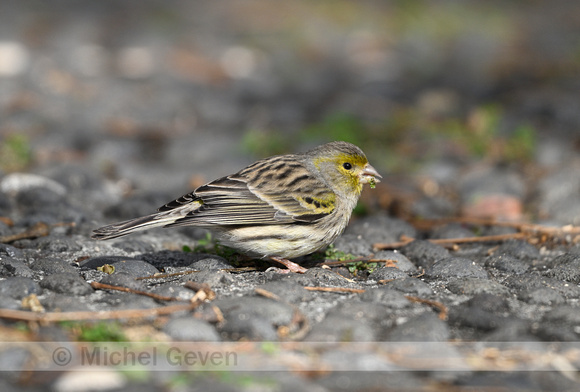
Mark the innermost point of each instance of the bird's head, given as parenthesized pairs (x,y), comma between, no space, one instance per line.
(344,167)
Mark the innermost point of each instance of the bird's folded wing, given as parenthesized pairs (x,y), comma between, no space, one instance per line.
(233,201)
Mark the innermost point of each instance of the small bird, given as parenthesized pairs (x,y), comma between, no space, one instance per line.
(279,208)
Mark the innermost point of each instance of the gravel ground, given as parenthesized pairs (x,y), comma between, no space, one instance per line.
(125,108)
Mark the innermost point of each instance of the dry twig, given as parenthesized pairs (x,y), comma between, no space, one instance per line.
(335,289)
(103,286)
(99,315)
(437,305)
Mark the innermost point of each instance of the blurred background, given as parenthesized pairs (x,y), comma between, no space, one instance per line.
(465,107)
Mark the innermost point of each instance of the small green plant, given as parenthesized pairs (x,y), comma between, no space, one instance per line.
(97,332)
(357,266)
(15,152)
(332,253)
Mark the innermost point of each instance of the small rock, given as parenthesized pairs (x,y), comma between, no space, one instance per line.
(456,267)
(519,249)
(65,303)
(13,267)
(424,253)
(174,291)
(214,278)
(19,287)
(473,286)
(485,312)
(173,258)
(340,329)
(288,291)
(10,251)
(401,261)
(66,283)
(541,296)
(319,277)
(51,266)
(506,263)
(387,273)
(426,327)
(57,244)
(239,326)
(7,302)
(560,324)
(135,268)
(191,329)
(124,280)
(212,263)
(389,297)
(566,267)
(411,286)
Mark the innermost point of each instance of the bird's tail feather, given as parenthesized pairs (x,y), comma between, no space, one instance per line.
(129,226)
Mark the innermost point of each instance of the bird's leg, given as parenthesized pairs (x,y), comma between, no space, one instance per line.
(289,264)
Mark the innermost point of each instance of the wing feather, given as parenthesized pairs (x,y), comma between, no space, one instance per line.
(259,195)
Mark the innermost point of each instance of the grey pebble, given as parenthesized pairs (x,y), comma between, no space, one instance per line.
(401,261)
(213,278)
(560,324)
(56,243)
(19,287)
(519,249)
(174,291)
(566,267)
(174,258)
(507,263)
(483,312)
(424,253)
(389,297)
(7,302)
(255,318)
(527,281)
(211,263)
(411,286)
(288,291)
(49,266)
(541,296)
(426,327)
(135,268)
(64,303)
(320,277)
(191,329)
(337,328)
(456,267)
(239,326)
(472,286)
(127,265)
(66,283)
(124,280)
(129,301)
(13,267)
(11,251)
(387,273)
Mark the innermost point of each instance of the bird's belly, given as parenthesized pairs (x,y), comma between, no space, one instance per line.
(287,241)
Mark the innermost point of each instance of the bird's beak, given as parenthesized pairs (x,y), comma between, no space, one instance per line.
(370,175)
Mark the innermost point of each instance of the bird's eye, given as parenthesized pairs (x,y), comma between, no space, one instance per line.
(347,165)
